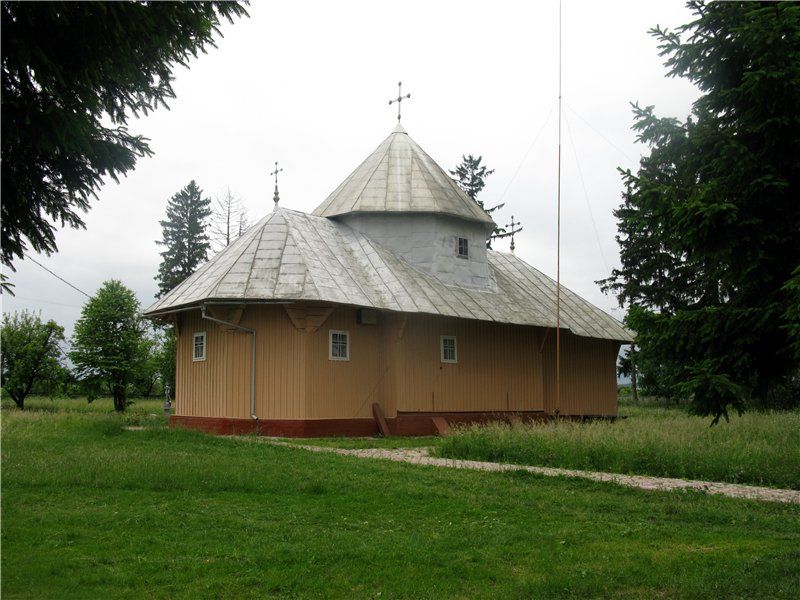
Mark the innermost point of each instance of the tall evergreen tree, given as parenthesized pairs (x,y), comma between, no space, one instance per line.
(72,75)
(709,227)
(470,175)
(184,236)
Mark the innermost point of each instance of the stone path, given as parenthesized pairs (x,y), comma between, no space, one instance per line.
(421,456)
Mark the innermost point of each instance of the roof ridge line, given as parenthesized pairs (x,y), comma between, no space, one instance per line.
(336,256)
(347,179)
(260,238)
(372,172)
(202,269)
(451,182)
(215,288)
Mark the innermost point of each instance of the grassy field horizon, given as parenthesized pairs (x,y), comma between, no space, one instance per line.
(757,448)
(92,508)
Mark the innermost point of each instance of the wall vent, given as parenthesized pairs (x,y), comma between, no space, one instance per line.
(367,316)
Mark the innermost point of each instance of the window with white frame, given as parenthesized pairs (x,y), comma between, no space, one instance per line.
(199,350)
(448,349)
(462,248)
(339,345)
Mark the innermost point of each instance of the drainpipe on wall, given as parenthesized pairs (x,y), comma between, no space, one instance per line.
(252,357)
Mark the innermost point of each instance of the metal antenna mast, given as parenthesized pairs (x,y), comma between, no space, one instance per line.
(558,236)
(399,98)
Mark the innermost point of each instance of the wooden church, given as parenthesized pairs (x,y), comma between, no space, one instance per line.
(382,310)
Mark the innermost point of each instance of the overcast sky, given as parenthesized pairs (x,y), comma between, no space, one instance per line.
(308,84)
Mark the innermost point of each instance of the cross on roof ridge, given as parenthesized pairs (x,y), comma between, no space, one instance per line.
(276,198)
(513,231)
(399,98)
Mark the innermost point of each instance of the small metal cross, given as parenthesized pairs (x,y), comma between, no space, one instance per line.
(513,231)
(399,98)
(275,197)
(275,172)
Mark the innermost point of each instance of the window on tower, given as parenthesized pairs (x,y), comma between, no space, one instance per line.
(462,248)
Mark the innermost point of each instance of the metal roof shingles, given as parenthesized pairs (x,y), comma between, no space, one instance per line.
(291,255)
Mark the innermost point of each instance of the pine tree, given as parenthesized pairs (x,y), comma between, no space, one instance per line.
(72,75)
(470,175)
(184,236)
(709,228)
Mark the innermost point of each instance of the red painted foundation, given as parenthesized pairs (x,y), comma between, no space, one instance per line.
(405,424)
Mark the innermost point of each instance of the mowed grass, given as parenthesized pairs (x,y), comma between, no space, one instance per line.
(94,510)
(757,448)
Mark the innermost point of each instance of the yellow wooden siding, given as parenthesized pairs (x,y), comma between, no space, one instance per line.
(395,363)
(339,389)
(218,386)
(588,375)
(498,367)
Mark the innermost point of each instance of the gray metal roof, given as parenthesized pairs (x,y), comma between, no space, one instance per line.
(293,256)
(400,177)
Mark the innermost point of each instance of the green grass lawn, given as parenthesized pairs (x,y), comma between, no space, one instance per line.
(757,448)
(93,510)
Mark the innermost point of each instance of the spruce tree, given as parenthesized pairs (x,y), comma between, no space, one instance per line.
(73,73)
(470,175)
(709,227)
(184,236)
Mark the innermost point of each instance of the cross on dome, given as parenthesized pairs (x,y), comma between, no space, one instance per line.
(399,98)
(276,198)
(513,231)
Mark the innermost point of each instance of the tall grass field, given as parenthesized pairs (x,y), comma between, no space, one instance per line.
(100,505)
(756,448)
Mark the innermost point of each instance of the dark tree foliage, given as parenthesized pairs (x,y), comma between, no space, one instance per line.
(146,374)
(108,345)
(184,236)
(470,175)
(627,367)
(73,73)
(709,227)
(31,357)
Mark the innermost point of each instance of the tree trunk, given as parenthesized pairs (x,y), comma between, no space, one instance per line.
(119,398)
(634,386)
(20,402)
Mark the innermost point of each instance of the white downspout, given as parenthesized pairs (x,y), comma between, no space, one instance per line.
(252,357)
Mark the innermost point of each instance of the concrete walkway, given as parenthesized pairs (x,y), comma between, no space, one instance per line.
(421,456)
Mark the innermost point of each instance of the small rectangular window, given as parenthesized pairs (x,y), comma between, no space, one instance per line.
(448,347)
(199,352)
(339,344)
(463,248)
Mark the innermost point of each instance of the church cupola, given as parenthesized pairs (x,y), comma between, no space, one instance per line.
(403,200)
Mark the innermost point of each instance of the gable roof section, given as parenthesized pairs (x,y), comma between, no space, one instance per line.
(399,176)
(292,256)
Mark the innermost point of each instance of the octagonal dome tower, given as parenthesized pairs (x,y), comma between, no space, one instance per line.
(402,199)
